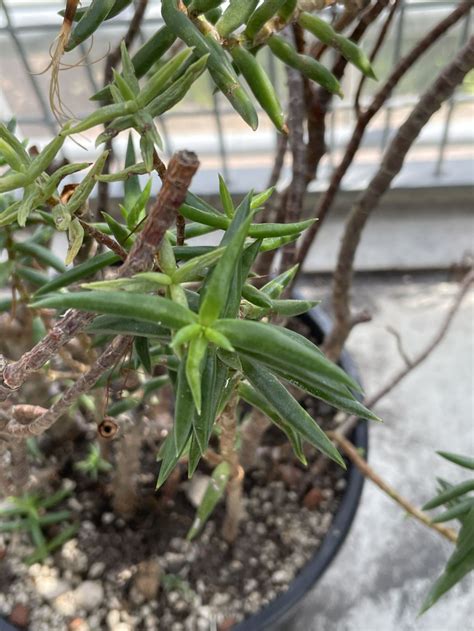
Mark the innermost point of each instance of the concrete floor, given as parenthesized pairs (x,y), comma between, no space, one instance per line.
(389,561)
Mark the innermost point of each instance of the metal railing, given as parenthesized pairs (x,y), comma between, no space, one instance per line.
(27,29)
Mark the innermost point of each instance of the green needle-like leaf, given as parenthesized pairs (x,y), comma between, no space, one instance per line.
(289,409)
(153,309)
(226,198)
(453,492)
(184,410)
(217,288)
(214,492)
(195,357)
(272,346)
(463,461)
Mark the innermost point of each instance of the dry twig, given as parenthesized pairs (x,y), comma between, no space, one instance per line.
(437,338)
(368,472)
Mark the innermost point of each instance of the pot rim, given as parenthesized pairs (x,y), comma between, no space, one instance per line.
(314,569)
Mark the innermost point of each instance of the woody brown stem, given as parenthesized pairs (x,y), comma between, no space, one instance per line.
(376,48)
(227,439)
(441,89)
(181,169)
(125,490)
(326,200)
(104,239)
(294,199)
(251,434)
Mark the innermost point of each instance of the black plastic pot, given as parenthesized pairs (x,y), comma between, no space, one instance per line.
(278,609)
(274,613)
(6,626)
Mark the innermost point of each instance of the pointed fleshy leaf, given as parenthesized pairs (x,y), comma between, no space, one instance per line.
(465,542)
(116,325)
(459,564)
(214,378)
(138,210)
(251,396)
(131,186)
(260,199)
(226,198)
(191,270)
(256,297)
(197,202)
(218,339)
(288,408)
(196,354)
(455,512)
(214,492)
(277,285)
(185,335)
(136,284)
(142,348)
(463,461)
(119,231)
(75,239)
(184,410)
(128,70)
(216,290)
(456,491)
(41,254)
(169,459)
(153,309)
(274,348)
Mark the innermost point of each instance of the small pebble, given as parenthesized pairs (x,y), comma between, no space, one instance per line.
(78,624)
(312,499)
(89,595)
(112,619)
(107,518)
(20,616)
(50,587)
(96,569)
(281,577)
(65,604)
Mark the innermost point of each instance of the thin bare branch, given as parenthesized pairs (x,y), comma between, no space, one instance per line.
(441,89)
(368,472)
(104,239)
(181,170)
(319,100)
(44,421)
(326,200)
(429,348)
(376,48)
(348,424)
(400,347)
